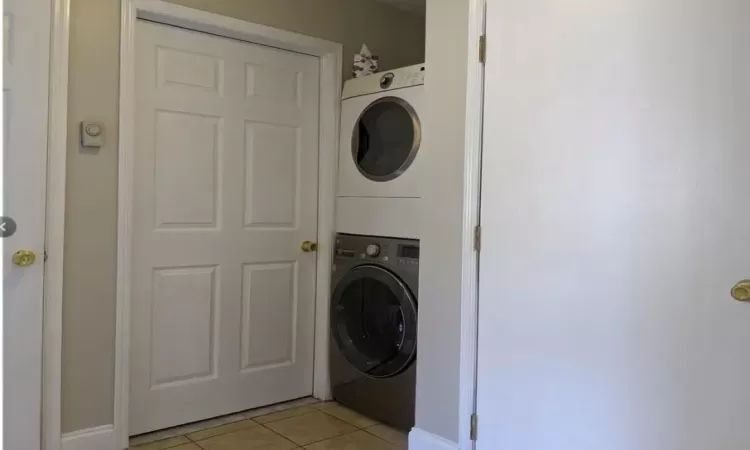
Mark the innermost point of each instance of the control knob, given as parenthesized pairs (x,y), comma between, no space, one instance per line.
(372,250)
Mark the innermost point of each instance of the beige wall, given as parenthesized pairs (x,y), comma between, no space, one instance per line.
(90,259)
(396,36)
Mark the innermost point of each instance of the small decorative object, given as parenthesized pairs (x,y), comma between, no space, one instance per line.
(365,63)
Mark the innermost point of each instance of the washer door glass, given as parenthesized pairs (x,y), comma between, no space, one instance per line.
(374,321)
(386,138)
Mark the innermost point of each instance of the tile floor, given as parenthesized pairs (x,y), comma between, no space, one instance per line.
(300,424)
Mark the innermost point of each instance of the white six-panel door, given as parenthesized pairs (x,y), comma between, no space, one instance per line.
(615,218)
(226,182)
(26,26)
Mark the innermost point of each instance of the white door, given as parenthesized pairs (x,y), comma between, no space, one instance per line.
(26,78)
(226,186)
(615,192)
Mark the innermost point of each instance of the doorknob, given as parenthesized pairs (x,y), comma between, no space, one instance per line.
(308,246)
(741,291)
(24,258)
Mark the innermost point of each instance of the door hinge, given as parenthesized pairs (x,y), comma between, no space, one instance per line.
(482,48)
(473,430)
(478,238)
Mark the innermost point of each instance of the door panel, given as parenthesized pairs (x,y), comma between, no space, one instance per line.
(271,155)
(25,99)
(226,188)
(183,344)
(268,309)
(187,197)
(614,195)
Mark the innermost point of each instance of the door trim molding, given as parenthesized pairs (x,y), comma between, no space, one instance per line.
(330,55)
(471,218)
(97,438)
(57,150)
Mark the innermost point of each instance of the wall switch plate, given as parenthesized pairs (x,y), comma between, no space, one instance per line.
(92,134)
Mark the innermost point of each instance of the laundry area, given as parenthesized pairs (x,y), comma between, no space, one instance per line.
(269,195)
(375,225)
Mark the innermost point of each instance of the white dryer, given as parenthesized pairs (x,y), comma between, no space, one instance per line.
(379,175)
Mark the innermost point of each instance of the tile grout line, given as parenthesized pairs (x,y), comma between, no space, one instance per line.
(251,419)
(392,444)
(279,434)
(255,422)
(313,442)
(352,432)
(283,418)
(357,429)
(219,434)
(230,432)
(302,447)
(239,419)
(196,444)
(189,441)
(328,438)
(355,426)
(383,439)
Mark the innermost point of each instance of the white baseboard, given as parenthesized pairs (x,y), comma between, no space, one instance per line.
(422,440)
(98,438)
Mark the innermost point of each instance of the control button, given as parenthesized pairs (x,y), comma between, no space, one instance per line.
(386,80)
(372,250)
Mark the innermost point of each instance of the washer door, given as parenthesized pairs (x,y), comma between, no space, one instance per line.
(386,138)
(374,321)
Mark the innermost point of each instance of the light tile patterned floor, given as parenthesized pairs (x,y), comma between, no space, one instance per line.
(301,424)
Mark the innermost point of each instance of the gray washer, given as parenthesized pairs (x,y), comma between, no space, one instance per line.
(374,326)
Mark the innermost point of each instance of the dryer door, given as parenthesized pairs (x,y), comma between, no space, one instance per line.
(386,138)
(374,321)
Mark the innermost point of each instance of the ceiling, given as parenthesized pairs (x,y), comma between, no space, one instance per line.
(416,6)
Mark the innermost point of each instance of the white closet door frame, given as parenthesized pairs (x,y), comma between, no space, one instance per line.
(330,54)
(471,234)
(57,150)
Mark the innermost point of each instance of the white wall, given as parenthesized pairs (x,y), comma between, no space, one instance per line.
(615,172)
(91,216)
(438,374)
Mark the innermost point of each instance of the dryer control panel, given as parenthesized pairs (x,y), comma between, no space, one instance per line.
(385,81)
(398,254)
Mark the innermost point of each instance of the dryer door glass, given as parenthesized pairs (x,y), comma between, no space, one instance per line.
(386,139)
(374,321)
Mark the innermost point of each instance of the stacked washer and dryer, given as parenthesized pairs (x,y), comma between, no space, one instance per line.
(376,262)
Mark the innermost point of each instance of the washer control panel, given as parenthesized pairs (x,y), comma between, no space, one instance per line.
(400,254)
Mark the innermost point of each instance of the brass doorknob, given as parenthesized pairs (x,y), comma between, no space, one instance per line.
(24,258)
(308,246)
(741,291)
